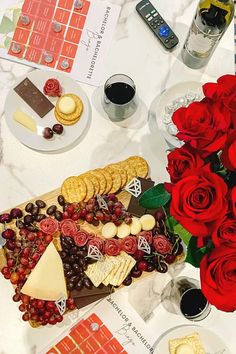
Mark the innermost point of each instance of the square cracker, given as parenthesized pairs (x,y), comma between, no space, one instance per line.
(98,271)
(116,265)
(122,271)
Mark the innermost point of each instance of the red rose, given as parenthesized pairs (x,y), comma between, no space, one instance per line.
(228,156)
(97,242)
(52,88)
(162,244)
(129,244)
(233,201)
(181,161)
(203,124)
(68,227)
(112,247)
(218,277)
(198,201)
(81,238)
(225,231)
(147,235)
(224,91)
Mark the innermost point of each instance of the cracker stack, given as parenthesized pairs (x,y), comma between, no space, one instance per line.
(109,179)
(68,109)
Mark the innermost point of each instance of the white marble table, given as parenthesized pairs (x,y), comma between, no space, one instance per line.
(25,173)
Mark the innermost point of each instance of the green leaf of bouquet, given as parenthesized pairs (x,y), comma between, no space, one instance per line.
(16,15)
(171,223)
(7,42)
(195,254)
(155,197)
(183,233)
(6,25)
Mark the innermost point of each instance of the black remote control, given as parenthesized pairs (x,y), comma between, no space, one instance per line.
(157,24)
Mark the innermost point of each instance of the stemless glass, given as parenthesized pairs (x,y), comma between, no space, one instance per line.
(120,99)
(183,295)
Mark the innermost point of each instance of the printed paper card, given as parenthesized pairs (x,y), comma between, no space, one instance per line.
(56,35)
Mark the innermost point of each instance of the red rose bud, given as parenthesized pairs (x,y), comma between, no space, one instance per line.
(225,231)
(112,247)
(81,238)
(162,244)
(204,125)
(49,226)
(233,201)
(228,156)
(129,244)
(198,201)
(218,277)
(181,161)
(52,88)
(97,242)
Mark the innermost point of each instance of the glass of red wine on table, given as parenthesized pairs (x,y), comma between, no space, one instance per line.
(120,99)
(182,295)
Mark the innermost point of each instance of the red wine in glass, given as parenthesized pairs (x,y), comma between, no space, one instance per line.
(193,304)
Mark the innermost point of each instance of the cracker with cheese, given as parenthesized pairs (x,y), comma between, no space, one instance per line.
(190,344)
(98,271)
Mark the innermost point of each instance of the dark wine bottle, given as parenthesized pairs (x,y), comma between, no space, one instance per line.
(210,22)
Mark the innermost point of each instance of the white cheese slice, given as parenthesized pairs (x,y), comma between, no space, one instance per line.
(67,105)
(47,280)
(25,120)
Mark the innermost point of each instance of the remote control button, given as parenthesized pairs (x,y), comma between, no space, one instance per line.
(162,21)
(150,18)
(167,40)
(158,23)
(155,21)
(147,15)
(171,37)
(164,31)
(152,24)
(155,27)
(153,11)
(155,15)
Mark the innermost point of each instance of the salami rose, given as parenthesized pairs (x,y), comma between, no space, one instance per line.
(49,226)
(162,244)
(97,242)
(147,235)
(81,238)
(112,247)
(52,88)
(129,244)
(68,227)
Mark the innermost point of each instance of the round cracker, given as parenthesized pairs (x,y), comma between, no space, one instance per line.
(116,178)
(94,181)
(64,121)
(140,165)
(122,173)
(101,178)
(78,110)
(89,185)
(127,166)
(108,178)
(73,189)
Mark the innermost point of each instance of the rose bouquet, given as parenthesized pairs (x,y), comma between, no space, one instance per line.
(200,200)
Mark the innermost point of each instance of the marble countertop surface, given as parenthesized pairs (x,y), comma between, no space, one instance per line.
(25,173)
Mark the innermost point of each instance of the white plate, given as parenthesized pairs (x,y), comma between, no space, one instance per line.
(36,140)
(167,98)
(211,342)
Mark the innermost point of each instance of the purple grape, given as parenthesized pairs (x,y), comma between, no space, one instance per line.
(16,213)
(58,129)
(47,133)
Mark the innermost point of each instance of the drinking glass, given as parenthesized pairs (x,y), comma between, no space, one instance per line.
(183,295)
(120,99)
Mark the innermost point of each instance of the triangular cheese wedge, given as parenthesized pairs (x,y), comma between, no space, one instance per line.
(47,280)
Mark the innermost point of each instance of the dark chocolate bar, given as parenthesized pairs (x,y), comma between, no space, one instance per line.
(134,208)
(85,296)
(33,97)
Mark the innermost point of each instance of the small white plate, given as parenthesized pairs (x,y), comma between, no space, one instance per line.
(36,140)
(166,99)
(210,341)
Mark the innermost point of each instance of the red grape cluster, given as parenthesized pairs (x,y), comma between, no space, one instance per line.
(40,311)
(23,253)
(92,213)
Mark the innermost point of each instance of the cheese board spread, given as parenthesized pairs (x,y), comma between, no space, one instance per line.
(79,243)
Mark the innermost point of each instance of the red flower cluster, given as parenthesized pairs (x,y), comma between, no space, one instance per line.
(203,185)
